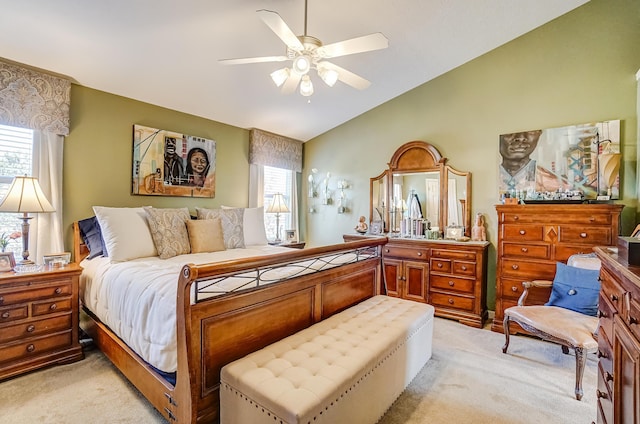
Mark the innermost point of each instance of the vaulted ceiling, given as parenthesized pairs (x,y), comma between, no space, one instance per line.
(166,52)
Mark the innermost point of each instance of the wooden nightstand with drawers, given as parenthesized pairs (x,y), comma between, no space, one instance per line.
(38,319)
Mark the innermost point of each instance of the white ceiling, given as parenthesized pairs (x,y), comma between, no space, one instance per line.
(166,52)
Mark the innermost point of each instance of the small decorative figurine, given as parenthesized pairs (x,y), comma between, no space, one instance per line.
(478,232)
(362,225)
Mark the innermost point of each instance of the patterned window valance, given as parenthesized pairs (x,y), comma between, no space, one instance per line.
(32,99)
(275,150)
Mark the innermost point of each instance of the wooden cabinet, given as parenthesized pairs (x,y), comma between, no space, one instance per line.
(618,341)
(38,320)
(532,238)
(451,276)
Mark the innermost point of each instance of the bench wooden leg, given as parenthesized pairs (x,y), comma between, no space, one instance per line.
(581,360)
(505,325)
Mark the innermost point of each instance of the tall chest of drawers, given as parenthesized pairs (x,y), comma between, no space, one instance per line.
(618,340)
(38,320)
(532,238)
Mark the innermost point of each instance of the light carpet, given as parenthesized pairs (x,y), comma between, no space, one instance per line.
(468,380)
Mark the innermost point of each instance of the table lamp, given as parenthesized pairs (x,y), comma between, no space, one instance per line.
(277,206)
(25,196)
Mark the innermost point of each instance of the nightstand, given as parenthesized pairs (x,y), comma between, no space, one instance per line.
(296,245)
(38,319)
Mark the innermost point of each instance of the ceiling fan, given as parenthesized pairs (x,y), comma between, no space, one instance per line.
(307,52)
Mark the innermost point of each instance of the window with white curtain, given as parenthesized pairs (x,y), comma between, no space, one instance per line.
(16,152)
(277,180)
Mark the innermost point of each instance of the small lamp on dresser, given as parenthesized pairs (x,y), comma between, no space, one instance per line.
(277,206)
(25,196)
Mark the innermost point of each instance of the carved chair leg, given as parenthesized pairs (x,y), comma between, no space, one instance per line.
(581,360)
(505,325)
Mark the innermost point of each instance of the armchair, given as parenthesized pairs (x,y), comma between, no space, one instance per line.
(575,286)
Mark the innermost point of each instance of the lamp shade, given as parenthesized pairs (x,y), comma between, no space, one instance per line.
(278,204)
(26,196)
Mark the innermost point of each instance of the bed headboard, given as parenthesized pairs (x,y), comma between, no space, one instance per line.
(80,250)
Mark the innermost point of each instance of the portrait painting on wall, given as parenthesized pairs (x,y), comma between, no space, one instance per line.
(167,163)
(586,158)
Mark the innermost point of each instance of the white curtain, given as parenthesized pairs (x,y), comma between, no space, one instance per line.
(45,232)
(256,193)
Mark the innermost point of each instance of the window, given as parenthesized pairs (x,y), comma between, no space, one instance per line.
(277,180)
(16,151)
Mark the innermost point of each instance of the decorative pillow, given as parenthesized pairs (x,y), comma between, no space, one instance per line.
(92,237)
(169,230)
(206,235)
(231,224)
(253,225)
(125,233)
(576,289)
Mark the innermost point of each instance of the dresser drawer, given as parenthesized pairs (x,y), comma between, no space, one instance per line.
(565,218)
(453,254)
(605,313)
(564,251)
(441,265)
(633,315)
(605,395)
(451,301)
(523,233)
(528,270)
(27,293)
(21,350)
(50,307)
(405,252)
(451,283)
(587,235)
(605,353)
(612,291)
(512,289)
(539,251)
(13,313)
(464,268)
(35,328)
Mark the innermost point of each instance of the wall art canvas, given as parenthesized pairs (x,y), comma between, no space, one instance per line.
(167,163)
(537,163)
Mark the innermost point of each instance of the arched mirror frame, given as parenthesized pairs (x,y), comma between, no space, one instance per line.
(415,157)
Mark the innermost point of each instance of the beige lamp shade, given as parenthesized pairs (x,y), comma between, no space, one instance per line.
(278,204)
(26,196)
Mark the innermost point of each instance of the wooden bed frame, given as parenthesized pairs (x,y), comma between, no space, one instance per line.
(219,330)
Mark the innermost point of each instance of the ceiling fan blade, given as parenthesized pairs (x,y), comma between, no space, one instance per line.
(280,28)
(244,60)
(362,44)
(291,83)
(347,77)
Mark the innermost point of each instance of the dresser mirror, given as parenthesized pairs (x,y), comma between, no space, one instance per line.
(419,191)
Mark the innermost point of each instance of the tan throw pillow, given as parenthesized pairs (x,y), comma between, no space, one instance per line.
(205,235)
(231,224)
(169,231)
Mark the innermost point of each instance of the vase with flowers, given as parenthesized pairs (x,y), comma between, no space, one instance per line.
(5,239)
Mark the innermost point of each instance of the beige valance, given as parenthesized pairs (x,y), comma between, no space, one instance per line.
(32,99)
(270,149)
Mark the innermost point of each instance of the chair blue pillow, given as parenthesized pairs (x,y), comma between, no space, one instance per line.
(92,237)
(576,289)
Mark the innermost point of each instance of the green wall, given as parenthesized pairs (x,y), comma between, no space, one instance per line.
(98,155)
(578,68)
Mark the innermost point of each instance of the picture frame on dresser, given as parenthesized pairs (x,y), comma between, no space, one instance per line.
(7,261)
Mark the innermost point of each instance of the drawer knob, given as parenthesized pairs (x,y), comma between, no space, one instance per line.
(31,328)
(592,218)
(515,266)
(53,307)
(583,235)
(58,290)
(450,301)
(464,268)
(614,298)
(439,265)
(386,250)
(5,315)
(524,250)
(514,289)
(602,354)
(602,314)
(515,218)
(31,348)
(451,283)
(602,395)
(522,232)
(419,253)
(633,321)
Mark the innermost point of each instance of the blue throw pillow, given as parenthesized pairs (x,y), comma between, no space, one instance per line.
(576,289)
(92,237)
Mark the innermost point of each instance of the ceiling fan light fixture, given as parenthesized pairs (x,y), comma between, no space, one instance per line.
(329,76)
(301,64)
(280,76)
(306,86)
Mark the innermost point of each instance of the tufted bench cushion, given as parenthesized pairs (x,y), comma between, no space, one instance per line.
(347,368)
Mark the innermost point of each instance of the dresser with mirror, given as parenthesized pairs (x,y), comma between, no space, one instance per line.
(423,206)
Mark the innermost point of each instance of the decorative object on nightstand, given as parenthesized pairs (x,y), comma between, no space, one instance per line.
(25,196)
(278,206)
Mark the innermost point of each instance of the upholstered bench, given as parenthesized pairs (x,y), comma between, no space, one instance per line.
(348,368)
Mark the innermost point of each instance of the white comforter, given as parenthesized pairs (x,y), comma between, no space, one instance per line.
(137,299)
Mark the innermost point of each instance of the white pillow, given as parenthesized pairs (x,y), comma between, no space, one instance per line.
(126,233)
(253,225)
